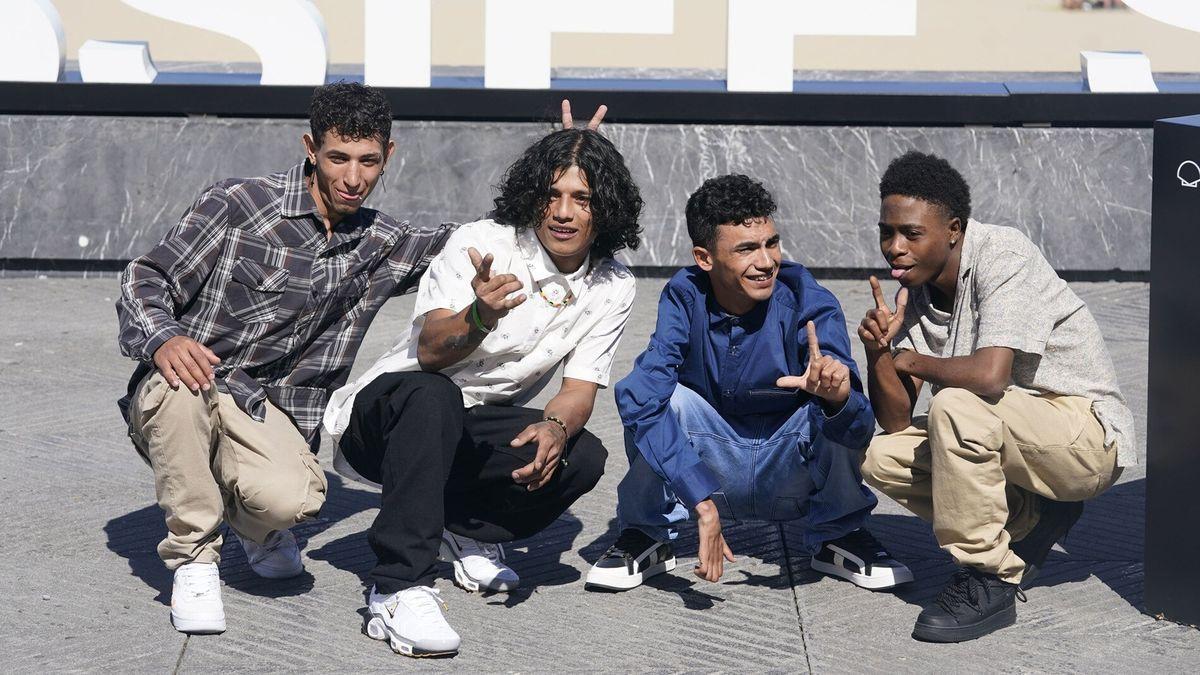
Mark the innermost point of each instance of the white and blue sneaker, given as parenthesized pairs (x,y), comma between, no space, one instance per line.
(477,566)
(276,558)
(411,622)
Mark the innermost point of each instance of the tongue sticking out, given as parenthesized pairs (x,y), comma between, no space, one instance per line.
(897,273)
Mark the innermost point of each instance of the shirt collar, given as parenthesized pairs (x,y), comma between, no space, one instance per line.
(970,242)
(298,202)
(542,267)
(749,320)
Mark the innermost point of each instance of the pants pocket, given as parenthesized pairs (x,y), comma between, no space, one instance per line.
(789,508)
(1068,473)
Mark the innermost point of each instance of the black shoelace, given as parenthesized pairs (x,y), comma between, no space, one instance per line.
(628,546)
(967,586)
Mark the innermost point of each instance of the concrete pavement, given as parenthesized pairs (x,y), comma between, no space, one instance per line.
(84,590)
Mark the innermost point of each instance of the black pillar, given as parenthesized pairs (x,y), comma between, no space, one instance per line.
(1173,436)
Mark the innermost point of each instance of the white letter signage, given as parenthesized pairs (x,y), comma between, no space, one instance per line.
(32,46)
(398,49)
(287,35)
(761,51)
(517,33)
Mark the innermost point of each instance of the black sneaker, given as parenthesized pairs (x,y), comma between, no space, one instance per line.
(860,559)
(633,559)
(972,604)
(1054,521)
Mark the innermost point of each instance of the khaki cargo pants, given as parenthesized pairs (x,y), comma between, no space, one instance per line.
(977,469)
(213,462)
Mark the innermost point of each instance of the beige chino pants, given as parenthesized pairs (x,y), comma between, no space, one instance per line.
(977,469)
(213,462)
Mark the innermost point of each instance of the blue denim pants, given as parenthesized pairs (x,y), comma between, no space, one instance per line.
(774,468)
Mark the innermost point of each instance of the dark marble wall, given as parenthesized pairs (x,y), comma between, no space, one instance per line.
(107,187)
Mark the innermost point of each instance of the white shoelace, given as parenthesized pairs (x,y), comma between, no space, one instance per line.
(199,582)
(423,601)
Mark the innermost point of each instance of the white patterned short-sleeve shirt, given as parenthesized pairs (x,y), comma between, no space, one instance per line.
(574,318)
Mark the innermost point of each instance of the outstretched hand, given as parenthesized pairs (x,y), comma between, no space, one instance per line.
(825,377)
(491,292)
(568,121)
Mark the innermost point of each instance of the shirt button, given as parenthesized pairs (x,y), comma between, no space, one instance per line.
(728,393)
(735,350)
(735,321)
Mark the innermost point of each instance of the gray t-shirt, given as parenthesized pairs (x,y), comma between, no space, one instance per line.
(1009,296)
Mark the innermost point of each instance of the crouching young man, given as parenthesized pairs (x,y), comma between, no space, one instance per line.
(438,421)
(1026,420)
(746,405)
(243,318)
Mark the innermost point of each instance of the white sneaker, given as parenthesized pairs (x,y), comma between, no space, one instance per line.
(411,622)
(477,566)
(196,599)
(276,558)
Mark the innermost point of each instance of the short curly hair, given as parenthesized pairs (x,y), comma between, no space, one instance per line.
(931,179)
(352,110)
(616,204)
(732,198)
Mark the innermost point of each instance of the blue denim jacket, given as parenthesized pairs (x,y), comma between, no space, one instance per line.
(733,362)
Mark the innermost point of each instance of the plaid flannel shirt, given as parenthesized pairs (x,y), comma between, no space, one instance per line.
(248,273)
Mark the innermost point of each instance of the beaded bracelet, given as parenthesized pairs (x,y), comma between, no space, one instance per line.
(559,422)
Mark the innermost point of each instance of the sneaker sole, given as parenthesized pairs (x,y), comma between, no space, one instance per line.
(617,580)
(376,629)
(198,626)
(464,580)
(963,633)
(884,577)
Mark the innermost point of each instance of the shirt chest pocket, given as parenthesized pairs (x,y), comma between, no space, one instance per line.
(349,294)
(255,291)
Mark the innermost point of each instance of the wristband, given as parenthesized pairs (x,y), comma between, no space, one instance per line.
(475,318)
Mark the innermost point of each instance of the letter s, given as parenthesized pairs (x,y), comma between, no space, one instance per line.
(288,35)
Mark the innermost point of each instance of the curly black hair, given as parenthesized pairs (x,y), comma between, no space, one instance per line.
(616,202)
(353,110)
(733,198)
(928,178)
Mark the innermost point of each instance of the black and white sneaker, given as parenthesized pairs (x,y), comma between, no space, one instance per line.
(860,559)
(632,560)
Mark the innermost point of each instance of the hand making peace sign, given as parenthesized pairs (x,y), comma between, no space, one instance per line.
(880,326)
(825,377)
(491,292)
(568,121)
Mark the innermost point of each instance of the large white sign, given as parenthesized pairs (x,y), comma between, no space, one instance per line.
(289,35)
(398,45)
(33,47)
(1180,13)
(762,33)
(517,33)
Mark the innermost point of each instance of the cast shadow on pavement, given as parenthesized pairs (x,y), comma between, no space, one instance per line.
(1107,543)
(750,541)
(135,536)
(537,559)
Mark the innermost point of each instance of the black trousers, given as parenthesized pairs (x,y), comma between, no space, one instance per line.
(443,466)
